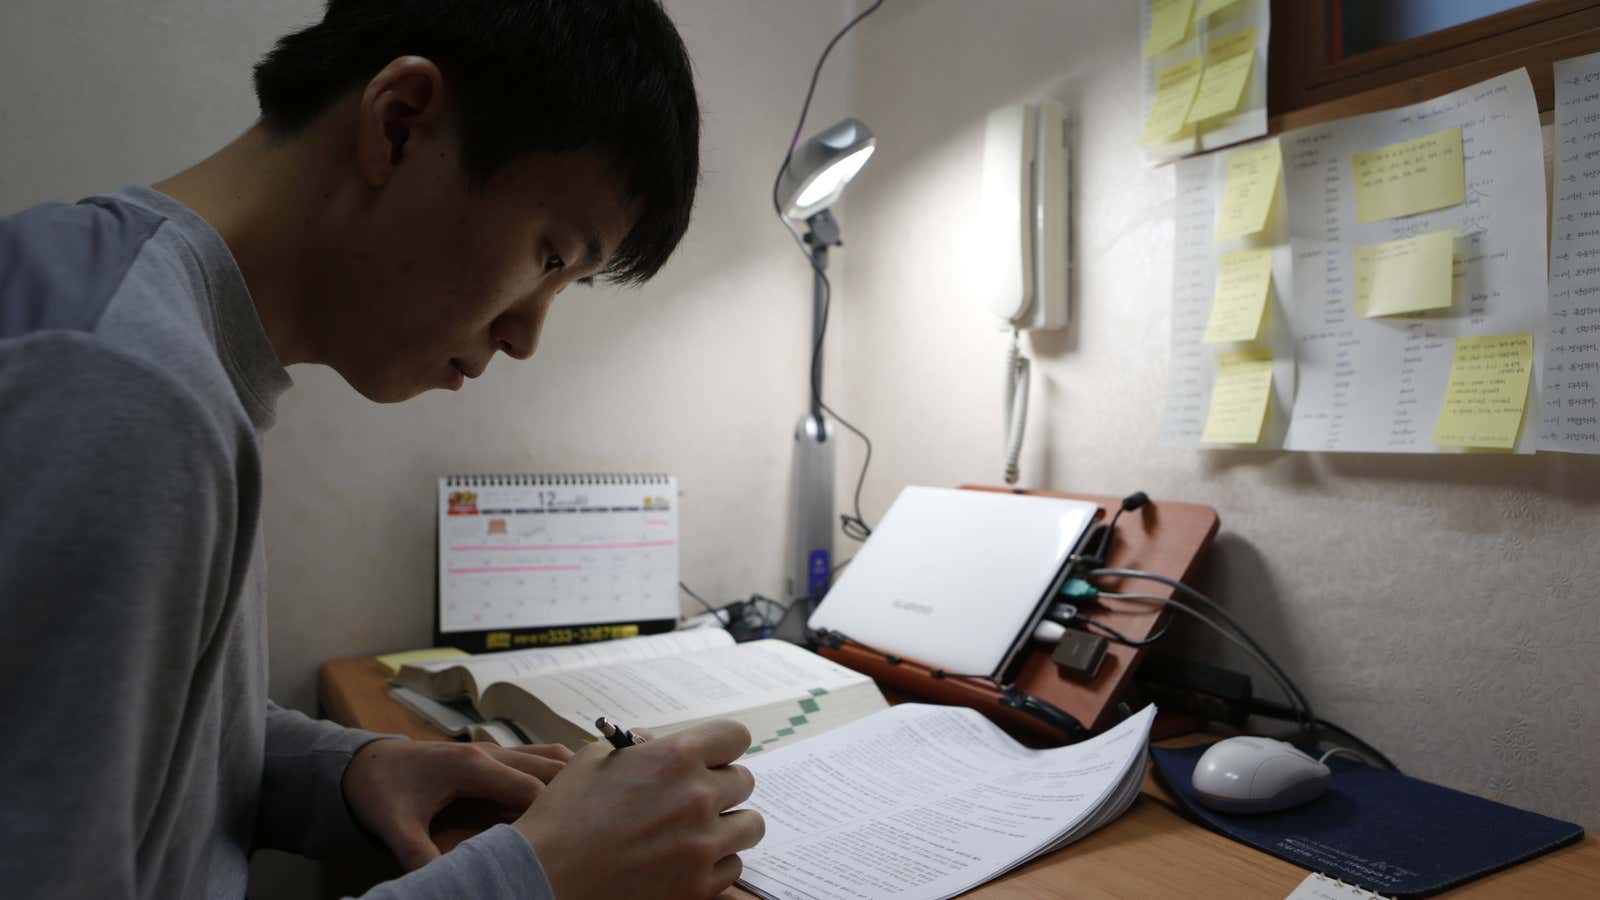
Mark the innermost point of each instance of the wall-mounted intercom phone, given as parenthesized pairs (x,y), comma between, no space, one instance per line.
(1024,225)
(1025,214)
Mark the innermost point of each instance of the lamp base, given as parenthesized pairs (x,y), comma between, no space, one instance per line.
(809,562)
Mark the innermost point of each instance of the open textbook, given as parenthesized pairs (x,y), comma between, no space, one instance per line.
(925,802)
(661,683)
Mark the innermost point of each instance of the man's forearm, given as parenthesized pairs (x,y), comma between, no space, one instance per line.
(497,863)
(302,807)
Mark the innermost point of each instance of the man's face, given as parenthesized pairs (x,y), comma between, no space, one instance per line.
(442,274)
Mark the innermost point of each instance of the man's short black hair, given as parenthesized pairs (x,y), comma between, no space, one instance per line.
(529,75)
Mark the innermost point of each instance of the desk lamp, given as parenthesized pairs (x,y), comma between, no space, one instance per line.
(811,182)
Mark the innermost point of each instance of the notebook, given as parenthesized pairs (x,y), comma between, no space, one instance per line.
(541,560)
(1382,831)
(955,579)
(921,802)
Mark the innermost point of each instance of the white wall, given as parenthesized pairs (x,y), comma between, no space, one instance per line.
(99,93)
(1439,606)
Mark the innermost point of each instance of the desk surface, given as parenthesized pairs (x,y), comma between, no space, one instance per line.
(1150,852)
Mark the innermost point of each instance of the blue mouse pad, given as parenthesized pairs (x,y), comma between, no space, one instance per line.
(1386,832)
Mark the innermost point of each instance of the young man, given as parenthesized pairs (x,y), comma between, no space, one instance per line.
(426,178)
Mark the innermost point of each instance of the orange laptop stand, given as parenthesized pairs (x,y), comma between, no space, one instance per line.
(1163,537)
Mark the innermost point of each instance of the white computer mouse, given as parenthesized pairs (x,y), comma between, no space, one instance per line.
(1257,775)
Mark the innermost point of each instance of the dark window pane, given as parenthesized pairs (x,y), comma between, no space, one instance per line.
(1370,24)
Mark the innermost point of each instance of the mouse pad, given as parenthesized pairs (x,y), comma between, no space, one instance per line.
(1386,832)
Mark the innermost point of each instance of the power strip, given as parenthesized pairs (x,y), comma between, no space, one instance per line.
(746,620)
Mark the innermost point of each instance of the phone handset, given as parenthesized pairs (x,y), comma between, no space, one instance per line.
(1024,216)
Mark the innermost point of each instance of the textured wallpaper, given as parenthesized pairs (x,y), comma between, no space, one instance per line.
(1444,608)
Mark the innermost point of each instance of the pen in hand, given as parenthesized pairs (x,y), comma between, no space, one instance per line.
(618,736)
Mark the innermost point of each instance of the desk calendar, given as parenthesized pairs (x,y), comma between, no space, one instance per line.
(535,560)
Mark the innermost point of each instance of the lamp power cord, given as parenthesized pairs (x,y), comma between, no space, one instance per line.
(853,526)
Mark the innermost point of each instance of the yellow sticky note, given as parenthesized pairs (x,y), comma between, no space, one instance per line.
(1488,391)
(1405,276)
(1175,87)
(1207,7)
(1244,280)
(1169,25)
(1239,398)
(393,661)
(1411,177)
(1228,64)
(1252,183)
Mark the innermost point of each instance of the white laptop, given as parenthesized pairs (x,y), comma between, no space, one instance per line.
(955,579)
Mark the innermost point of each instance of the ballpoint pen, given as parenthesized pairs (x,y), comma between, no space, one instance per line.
(618,736)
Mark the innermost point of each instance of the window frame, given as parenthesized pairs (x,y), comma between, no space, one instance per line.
(1310,83)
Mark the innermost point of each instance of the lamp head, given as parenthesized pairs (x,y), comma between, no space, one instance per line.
(822,166)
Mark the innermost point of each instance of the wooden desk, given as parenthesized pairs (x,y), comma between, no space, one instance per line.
(1150,852)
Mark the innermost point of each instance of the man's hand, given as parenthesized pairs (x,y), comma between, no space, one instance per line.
(649,821)
(395,788)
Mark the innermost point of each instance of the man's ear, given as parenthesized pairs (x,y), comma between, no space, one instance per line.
(405,98)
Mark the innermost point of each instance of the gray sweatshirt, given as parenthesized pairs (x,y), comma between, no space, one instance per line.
(139,754)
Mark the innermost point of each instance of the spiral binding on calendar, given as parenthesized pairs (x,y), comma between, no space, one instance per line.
(577,479)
